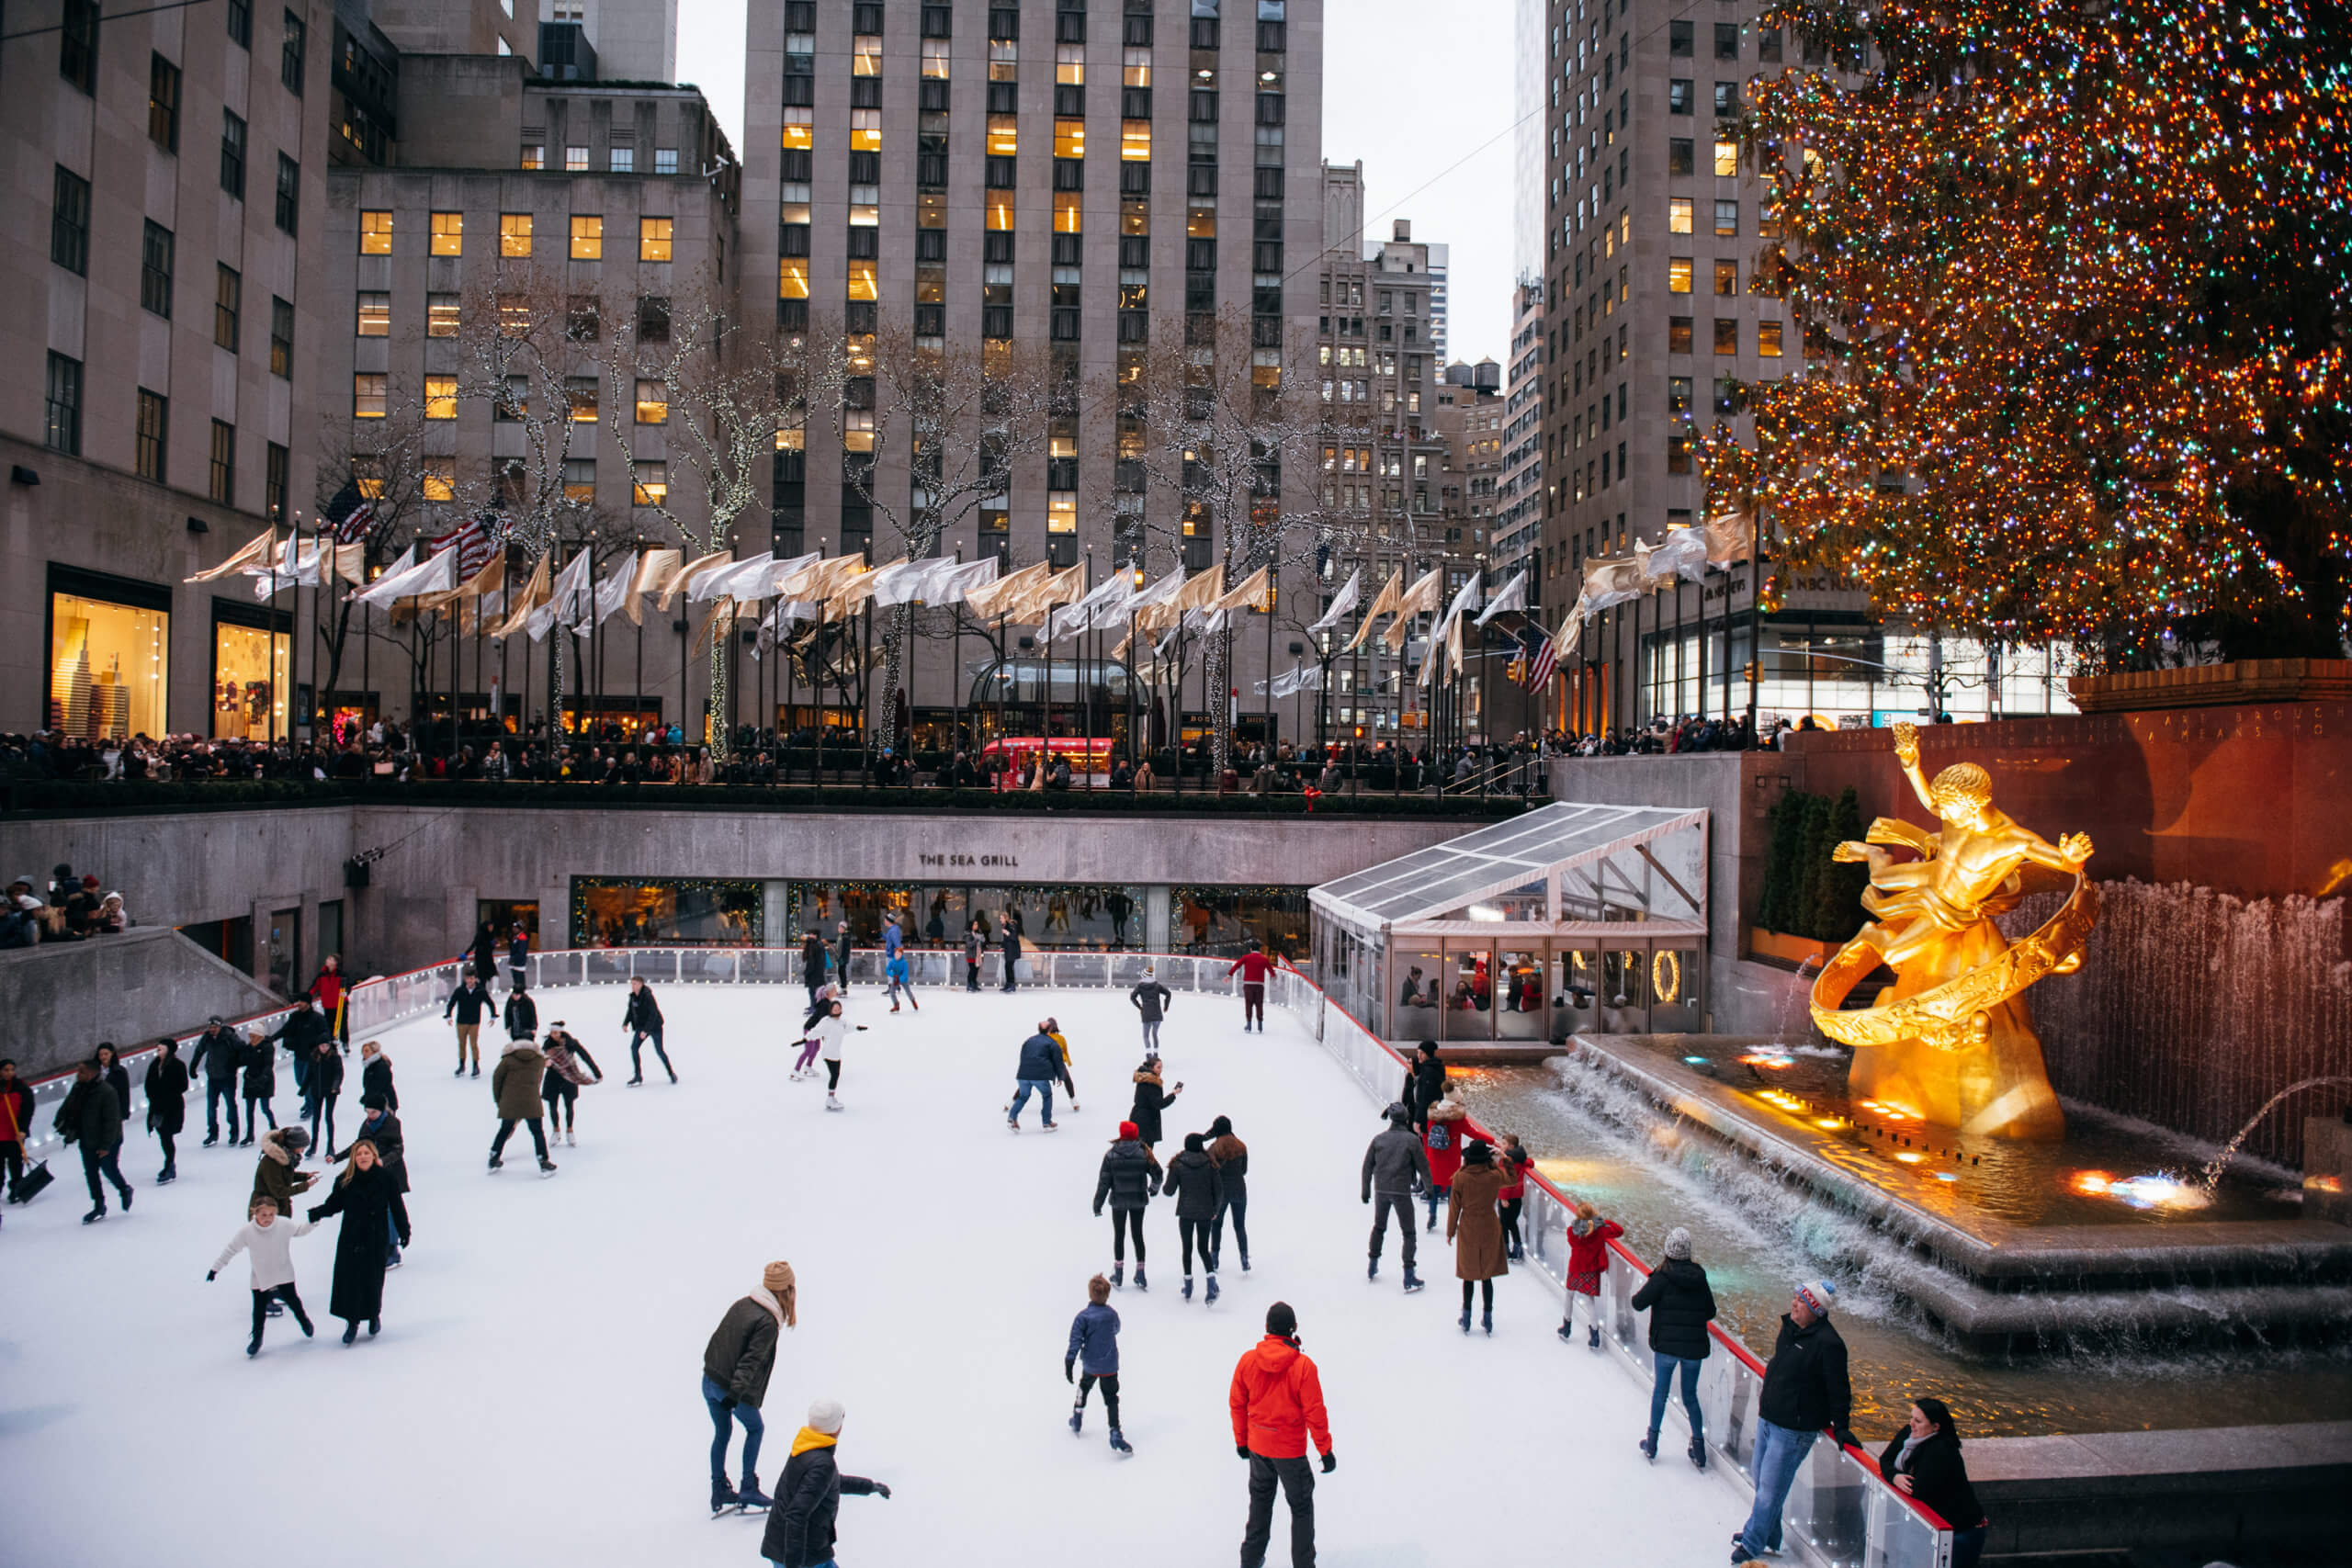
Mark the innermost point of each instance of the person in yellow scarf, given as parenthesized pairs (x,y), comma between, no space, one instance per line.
(800,1528)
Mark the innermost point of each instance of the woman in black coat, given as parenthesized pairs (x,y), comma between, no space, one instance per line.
(1199,1189)
(1680,1304)
(364,1195)
(260,1084)
(116,1075)
(1922,1463)
(376,1076)
(167,1089)
(1149,1101)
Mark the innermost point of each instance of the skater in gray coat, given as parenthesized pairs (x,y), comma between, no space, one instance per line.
(1395,1168)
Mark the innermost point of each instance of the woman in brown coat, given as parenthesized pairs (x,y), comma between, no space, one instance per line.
(1474,1228)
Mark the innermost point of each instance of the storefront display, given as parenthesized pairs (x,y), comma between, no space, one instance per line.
(1061,915)
(109,661)
(666,911)
(1210,920)
(249,668)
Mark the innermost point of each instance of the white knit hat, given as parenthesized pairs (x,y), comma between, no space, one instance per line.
(826,1415)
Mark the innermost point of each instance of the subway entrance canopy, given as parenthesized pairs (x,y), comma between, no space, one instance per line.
(1577,917)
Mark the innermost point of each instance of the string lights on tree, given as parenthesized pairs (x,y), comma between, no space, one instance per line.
(2073,290)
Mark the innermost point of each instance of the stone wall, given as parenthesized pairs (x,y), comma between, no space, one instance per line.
(64,998)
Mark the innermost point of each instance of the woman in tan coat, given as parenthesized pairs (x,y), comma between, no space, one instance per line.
(1474,1228)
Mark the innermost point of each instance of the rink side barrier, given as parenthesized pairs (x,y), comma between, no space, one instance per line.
(1841,1511)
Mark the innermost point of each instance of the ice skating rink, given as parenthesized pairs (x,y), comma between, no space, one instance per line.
(534,1395)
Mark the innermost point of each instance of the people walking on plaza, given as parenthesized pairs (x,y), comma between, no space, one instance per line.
(332,993)
(1150,998)
(522,1015)
(1254,966)
(381,1127)
(321,1069)
(1396,1166)
(842,955)
(514,1087)
(276,1173)
(1805,1389)
(15,1123)
(1589,1239)
(807,1499)
(1514,1161)
(1093,1356)
(1199,1189)
(260,1084)
(570,1067)
(1276,1400)
(1475,1229)
(1128,1178)
(467,1004)
(643,1021)
(117,1075)
(1424,1084)
(220,1053)
(1039,1066)
(975,943)
(267,1243)
(91,1117)
(812,965)
(1680,1304)
(1922,1463)
(368,1198)
(376,1076)
(1442,1132)
(1009,934)
(1232,1157)
(166,1090)
(736,1365)
(1149,1100)
(834,1031)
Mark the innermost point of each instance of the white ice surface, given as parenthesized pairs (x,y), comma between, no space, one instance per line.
(535,1394)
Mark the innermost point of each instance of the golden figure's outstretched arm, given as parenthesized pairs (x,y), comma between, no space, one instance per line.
(2067,855)
(1906,752)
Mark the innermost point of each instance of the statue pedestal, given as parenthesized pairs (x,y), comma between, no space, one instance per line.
(1996,1090)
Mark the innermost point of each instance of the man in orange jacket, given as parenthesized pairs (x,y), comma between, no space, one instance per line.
(1277,1402)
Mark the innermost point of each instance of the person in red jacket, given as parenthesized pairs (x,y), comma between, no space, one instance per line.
(1255,966)
(331,990)
(1589,1239)
(1441,1139)
(1277,1402)
(1514,1159)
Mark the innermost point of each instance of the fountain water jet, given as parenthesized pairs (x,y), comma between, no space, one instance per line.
(2229,1150)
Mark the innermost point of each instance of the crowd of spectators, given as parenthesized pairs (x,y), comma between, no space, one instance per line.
(65,908)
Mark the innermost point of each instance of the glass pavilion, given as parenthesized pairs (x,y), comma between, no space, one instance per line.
(1572,918)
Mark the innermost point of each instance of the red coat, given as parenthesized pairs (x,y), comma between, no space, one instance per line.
(1277,1401)
(328,988)
(1589,1254)
(1516,1169)
(1254,967)
(1442,1140)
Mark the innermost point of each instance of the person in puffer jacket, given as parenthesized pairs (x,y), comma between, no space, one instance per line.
(1589,1239)
(736,1365)
(1199,1189)
(1680,1304)
(1276,1399)
(801,1526)
(1232,1157)
(1128,1178)
(1441,1139)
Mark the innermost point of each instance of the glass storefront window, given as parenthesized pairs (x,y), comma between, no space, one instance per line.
(109,666)
(1519,1010)
(1573,989)
(1624,990)
(1469,981)
(251,670)
(666,911)
(1675,976)
(1071,915)
(1419,981)
(1226,920)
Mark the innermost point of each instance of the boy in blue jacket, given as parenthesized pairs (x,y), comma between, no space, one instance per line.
(1094,1341)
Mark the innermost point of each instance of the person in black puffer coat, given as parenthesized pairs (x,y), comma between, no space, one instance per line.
(376,1076)
(260,1084)
(1681,1306)
(1128,1179)
(1149,1101)
(1192,1176)
(1924,1464)
(801,1526)
(320,1070)
(166,1102)
(1232,1157)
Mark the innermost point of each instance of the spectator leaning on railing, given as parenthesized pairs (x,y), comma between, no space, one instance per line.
(1805,1389)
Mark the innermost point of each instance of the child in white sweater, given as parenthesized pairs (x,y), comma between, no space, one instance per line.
(268,1242)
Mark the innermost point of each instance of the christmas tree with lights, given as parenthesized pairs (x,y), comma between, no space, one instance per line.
(2072,287)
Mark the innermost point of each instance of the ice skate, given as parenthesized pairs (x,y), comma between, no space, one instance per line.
(496,1163)
(1118,1276)
(1053,1126)
(375,1326)
(1488,1319)
(1187,1291)
(639,1079)
(1077,1419)
(571,1139)
(832,1101)
(1011,1124)
(212,1140)
(1648,1446)
(722,1498)
(1567,1331)
(1245,1260)
(95,1215)
(1466,1320)
(1698,1451)
(1593,1341)
(169,1173)
(1140,1285)
(1118,1443)
(750,1495)
(1372,1270)
(673,1072)
(547,1165)
(350,1332)
(1412,1281)
(1211,1298)
(253,1346)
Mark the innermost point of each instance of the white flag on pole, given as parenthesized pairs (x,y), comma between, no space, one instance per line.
(1342,603)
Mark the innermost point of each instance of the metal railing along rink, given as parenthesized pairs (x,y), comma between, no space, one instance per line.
(1840,1513)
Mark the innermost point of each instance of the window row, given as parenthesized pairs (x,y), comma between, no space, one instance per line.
(77,55)
(510,402)
(1767,337)
(1682,211)
(445,235)
(618,160)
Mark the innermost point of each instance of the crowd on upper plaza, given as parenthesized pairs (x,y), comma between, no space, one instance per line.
(65,908)
(610,753)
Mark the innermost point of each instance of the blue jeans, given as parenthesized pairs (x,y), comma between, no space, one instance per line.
(1044,1091)
(1968,1546)
(1779,1453)
(725,1408)
(1666,1365)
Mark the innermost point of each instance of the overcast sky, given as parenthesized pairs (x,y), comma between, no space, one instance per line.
(1410,88)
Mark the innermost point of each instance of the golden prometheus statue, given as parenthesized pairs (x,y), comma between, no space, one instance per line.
(1952,1041)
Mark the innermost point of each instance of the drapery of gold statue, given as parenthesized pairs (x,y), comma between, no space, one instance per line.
(1952,1041)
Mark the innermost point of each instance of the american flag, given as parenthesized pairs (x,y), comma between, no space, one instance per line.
(1544,656)
(350,512)
(472,539)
